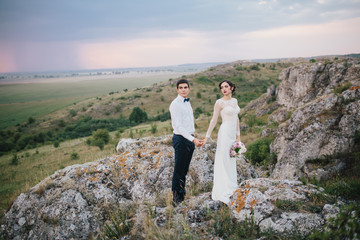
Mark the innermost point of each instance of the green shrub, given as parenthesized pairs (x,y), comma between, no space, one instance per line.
(61,123)
(259,152)
(162,117)
(287,205)
(14,160)
(345,226)
(239,68)
(138,115)
(255,67)
(73,112)
(56,144)
(99,143)
(74,156)
(102,134)
(197,112)
(339,89)
(348,189)
(31,120)
(198,95)
(153,128)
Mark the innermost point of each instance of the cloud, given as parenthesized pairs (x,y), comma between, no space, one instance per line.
(39,56)
(7,61)
(176,47)
(170,48)
(74,34)
(338,37)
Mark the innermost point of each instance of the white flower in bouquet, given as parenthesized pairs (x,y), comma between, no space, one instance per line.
(237,148)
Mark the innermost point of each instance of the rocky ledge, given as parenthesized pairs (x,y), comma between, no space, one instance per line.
(79,202)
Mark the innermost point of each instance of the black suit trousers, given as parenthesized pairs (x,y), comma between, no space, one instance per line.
(183,153)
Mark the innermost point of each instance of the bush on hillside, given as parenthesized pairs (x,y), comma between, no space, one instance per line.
(259,152)
(138,115)
(102,134)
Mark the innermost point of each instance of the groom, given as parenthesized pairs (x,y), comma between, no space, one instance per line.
(184,142)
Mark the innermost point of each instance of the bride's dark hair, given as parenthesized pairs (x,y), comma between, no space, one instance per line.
(232,86)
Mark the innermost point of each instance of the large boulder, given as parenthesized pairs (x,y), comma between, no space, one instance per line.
(74,202)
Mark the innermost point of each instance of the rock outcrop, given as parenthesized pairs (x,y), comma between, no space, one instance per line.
(73,203)
(324,120)
(76,202)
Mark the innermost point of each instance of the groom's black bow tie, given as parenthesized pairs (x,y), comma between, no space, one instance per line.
(186,99)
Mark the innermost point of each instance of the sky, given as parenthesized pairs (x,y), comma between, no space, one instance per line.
(44,35)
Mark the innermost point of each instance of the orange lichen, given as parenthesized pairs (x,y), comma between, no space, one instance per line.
(240,201)
(354,87)
(157,163)
(253,203)
(126,168)
(94,179)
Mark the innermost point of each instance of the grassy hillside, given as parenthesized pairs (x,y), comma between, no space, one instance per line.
(25,167)
(20,101)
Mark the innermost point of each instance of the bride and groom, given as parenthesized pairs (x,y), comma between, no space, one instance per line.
(184,142)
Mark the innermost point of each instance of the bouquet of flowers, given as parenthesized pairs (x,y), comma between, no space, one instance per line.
(237,148)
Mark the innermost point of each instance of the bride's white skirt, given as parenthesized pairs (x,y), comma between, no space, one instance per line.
(225,174)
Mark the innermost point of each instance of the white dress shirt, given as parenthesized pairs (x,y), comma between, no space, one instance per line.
(182,118)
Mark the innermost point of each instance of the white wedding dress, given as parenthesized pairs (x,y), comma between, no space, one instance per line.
(225,173)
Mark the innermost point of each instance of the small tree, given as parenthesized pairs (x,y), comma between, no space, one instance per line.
(14,159)
(153,128)
(102,134)
(31,120)
(56,144)
(137,115)
(73,112)
(74,156)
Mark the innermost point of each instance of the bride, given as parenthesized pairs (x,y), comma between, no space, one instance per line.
(225,174)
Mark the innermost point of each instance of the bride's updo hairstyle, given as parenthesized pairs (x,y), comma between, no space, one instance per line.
(232,86)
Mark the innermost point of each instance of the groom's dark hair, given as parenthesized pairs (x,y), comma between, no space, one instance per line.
(182,81)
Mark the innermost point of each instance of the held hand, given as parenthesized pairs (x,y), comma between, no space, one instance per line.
(197,142)
(238,139)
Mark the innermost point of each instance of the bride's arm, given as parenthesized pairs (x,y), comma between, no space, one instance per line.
(213,121)
(237,126)
(238,131)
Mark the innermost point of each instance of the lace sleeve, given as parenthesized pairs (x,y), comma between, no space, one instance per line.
(237,118)
(217,108)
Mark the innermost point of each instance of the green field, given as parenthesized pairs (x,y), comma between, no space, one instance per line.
(18,102)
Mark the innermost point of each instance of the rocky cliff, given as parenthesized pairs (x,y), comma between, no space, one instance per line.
(324,102)
(317,107)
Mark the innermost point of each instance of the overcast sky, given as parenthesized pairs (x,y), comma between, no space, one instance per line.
(41,35)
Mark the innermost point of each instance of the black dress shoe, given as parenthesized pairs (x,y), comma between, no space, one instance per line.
(176,202)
